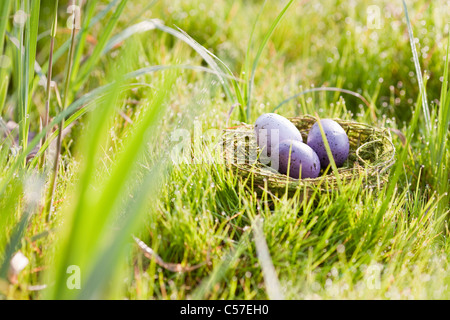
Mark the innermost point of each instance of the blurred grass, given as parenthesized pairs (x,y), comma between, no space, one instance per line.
(116,177)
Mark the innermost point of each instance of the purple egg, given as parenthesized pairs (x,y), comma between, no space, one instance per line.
(337,140)
(271,129)
(304,162)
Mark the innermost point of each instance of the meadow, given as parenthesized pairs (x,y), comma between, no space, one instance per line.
(102,195)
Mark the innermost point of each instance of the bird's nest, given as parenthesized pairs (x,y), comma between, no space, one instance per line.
(371,155)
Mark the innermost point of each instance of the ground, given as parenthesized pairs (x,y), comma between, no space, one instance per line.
(141,223)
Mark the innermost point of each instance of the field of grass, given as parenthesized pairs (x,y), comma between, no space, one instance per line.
(103,195)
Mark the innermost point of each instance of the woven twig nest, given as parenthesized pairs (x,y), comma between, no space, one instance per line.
(371,155)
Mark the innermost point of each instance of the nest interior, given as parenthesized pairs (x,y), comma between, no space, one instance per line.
(371,155)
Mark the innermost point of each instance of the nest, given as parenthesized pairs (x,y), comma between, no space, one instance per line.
(371,155)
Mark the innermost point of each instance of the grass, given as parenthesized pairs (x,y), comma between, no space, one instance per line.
(135,89)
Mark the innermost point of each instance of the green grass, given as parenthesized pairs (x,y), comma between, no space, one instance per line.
(129,89)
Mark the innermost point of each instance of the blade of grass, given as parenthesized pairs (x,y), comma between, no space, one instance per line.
(202,51)
(87,232)
(246,65)
(51,190)
(79,216)
(14,243)
(426,111)
(183,36)
(25,62)
(398,167)
(218,273)
(355,94)
(259,53)
(86,100)
(140,27)
(87,67)
(5,6)
(112,255)
(443,137)
(32,33)
(3,89)
(444,111)
(28,47)
(9,200)
(37,67)
(49,75)
(444,86)
(4,77)
(66,45)
(20,80)
(149,5)
(234,81)
(85,103)
(28,204)
(82,35)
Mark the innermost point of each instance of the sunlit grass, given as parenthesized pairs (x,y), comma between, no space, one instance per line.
(130,77)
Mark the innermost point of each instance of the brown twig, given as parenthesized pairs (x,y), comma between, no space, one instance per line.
(174,267)
(230,112)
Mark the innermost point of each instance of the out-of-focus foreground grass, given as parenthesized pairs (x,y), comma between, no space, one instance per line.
(134,77)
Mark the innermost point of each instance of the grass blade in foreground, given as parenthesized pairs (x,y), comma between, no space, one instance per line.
(443,138)
(89,230)
(273,286)
(96,54)
(49,75)
(4,78)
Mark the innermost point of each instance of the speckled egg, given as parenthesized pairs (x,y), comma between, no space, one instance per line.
(337,139)
(271,129)
(304,162)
